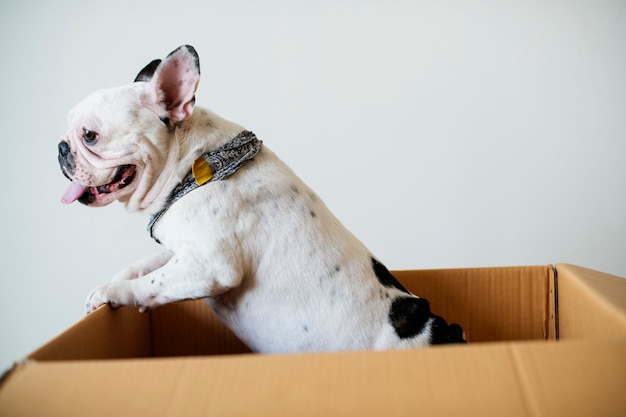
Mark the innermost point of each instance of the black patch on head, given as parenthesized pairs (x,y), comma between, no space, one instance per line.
(385,277)
(442,333)
(147,72)
(409,315)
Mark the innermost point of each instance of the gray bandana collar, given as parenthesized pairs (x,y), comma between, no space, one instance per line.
(214,165)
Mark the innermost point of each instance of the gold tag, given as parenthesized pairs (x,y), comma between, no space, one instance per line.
(202,172)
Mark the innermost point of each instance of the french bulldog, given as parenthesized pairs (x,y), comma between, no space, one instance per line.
(239,229)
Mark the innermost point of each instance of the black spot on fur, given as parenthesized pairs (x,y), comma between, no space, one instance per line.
(332,271)
(385,277)
(409,315)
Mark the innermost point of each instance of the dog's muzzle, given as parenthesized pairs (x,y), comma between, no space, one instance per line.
(124,176)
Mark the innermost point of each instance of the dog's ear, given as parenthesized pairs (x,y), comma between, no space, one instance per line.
(148,71)
(173,84)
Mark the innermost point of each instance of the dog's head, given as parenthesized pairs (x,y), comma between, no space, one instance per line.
(118,140)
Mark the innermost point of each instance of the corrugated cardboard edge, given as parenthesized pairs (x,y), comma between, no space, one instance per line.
(574,378)
(591,304)
(552,324)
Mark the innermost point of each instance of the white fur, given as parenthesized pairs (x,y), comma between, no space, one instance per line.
(270,259)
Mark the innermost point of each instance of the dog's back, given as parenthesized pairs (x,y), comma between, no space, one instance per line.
(310,285)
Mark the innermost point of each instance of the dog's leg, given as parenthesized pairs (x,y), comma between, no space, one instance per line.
(188,274)
(144,266)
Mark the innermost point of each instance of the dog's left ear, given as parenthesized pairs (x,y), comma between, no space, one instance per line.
(147,72)
(172,84)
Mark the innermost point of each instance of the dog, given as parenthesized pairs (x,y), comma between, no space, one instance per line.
(240,229)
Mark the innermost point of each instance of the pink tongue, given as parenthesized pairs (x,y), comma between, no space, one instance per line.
(74,191)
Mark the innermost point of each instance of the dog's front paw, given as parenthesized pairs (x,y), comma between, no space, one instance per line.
(104,294)
(95,300)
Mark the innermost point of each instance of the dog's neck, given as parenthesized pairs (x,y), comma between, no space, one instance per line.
(203,132)
(214,165)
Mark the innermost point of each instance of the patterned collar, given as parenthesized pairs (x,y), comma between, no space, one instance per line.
(214,165)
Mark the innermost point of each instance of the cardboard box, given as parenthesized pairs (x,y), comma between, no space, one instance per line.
(543,341)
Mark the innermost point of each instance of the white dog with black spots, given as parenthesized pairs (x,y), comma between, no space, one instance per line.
(238,227)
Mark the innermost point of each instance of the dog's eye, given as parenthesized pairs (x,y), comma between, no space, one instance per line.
(89,137)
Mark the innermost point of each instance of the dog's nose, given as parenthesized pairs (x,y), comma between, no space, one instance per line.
(64,149)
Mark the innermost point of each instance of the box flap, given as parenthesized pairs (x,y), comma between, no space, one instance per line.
(492,304)
(576,378)
(103,334)
(591,304)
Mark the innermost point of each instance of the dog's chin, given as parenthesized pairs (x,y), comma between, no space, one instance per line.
(122,184)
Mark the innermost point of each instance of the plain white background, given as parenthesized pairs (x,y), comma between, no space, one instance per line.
(442,133)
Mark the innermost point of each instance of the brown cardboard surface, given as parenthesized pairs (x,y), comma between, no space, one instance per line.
(101,335)
(528,373)
(591,303)
(582,378)
(190,328)
(492,304)
(577,378)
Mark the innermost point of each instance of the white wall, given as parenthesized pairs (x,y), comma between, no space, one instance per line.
(442,133)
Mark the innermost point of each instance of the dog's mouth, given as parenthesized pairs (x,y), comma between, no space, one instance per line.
(123,177)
